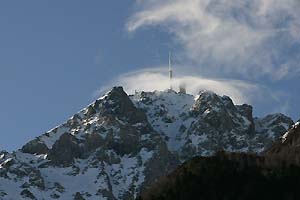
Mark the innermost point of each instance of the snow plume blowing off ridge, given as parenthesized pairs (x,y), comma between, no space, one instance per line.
(252,38)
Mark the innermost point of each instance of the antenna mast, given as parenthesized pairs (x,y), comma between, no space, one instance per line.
(170,70)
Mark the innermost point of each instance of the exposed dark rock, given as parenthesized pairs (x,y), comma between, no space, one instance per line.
(92,142)
(64,150)
(27,194)
(217,110)
(128,142)
(107,194)
(36,179)
(35,147)
(119,104)
(159,165)
(25,185)
(2,194)
(78,196)
(55,196)
(90,111)
(246,110)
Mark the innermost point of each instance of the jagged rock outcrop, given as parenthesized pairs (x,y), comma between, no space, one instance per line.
(120,145)
(35,147)
(208,123)
(119,105)
(65,150)
(18,176)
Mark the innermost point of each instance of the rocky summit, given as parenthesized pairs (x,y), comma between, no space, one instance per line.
(122,144)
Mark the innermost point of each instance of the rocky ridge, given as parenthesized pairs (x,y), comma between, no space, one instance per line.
(120,145)
(208,123)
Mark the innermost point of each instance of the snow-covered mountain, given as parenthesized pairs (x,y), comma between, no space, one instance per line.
(121,144)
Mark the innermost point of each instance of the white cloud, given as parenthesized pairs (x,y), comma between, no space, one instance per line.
(157,79)
(246,37)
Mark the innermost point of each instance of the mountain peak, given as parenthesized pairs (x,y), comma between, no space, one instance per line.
(117,103)
(122,143)
(116,92)
(209,102)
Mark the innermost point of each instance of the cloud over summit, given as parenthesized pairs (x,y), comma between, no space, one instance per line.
(253,38)
(157,79)
(241,92)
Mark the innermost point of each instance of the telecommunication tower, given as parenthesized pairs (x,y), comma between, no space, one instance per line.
(170,70)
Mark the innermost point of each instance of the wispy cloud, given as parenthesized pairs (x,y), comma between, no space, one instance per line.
(253,38)
(261,97)
(157,79)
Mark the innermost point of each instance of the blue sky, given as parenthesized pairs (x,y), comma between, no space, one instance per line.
(56,55)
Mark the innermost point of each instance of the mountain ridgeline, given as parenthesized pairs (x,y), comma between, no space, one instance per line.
(121,145)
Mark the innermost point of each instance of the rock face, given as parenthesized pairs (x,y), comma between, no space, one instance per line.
(208,123)
(65,150)
(120,145)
